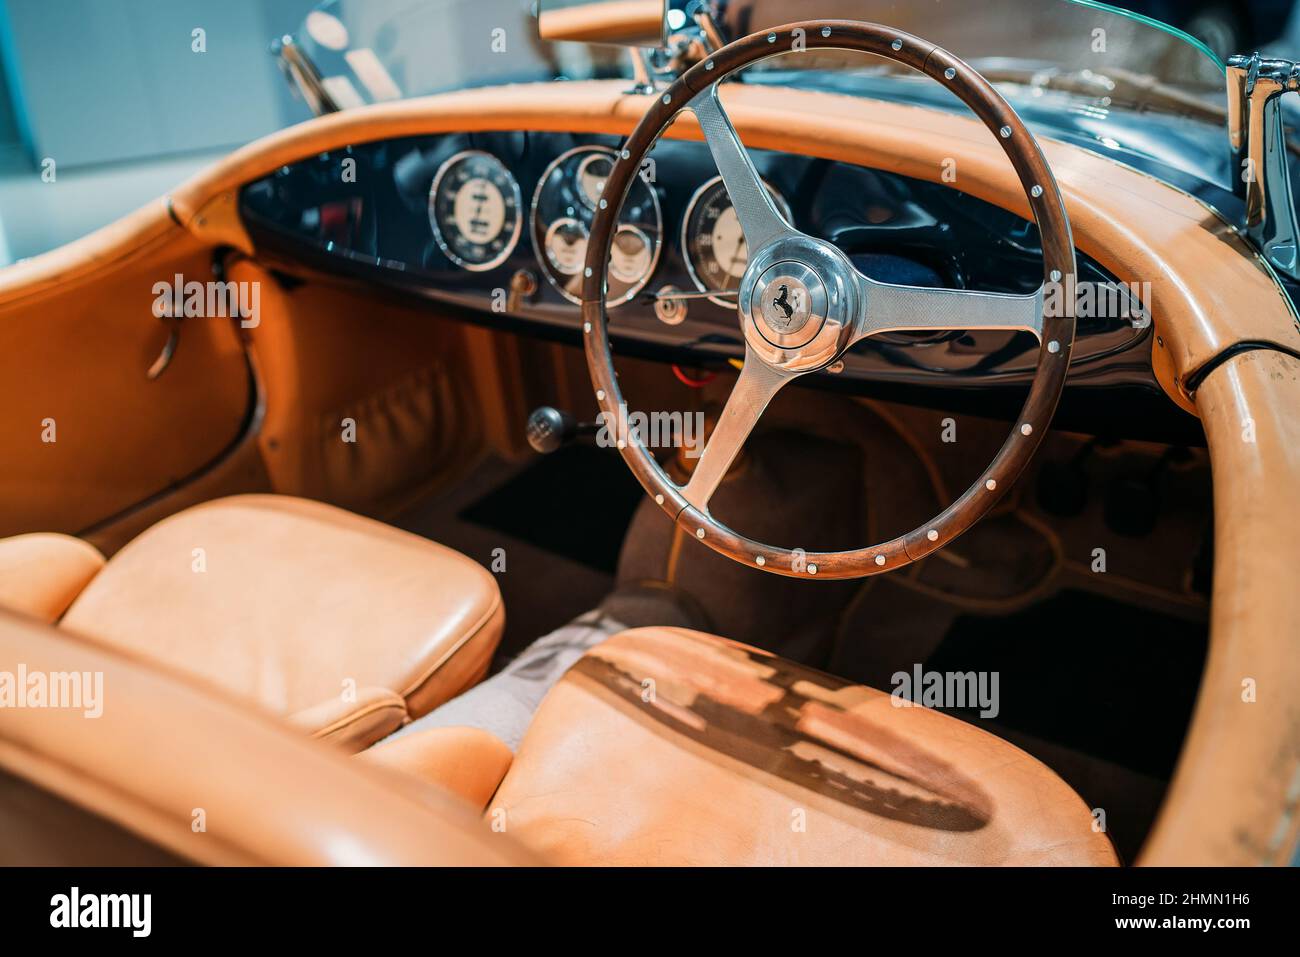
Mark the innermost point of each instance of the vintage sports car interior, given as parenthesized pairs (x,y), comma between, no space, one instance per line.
(690,437)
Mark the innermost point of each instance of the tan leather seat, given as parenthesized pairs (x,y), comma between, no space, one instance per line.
(171,771)
(41,574)
(664,746)
(467,762)
(343,625)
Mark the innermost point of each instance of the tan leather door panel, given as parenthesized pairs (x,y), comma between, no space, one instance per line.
(84,434)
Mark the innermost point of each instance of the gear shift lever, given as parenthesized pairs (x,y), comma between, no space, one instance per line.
(550,429)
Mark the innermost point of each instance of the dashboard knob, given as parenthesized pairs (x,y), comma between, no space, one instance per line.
(523,288)
(670,311)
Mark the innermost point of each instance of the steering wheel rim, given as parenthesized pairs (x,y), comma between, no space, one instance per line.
(836,305)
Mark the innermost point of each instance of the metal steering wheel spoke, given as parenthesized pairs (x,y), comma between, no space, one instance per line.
(759,219)
(757,383)
(802,303)
(892,308)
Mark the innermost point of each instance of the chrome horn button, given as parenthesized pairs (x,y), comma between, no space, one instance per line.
(788,304)
(798,303)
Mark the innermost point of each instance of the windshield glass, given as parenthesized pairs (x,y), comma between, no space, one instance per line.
(369,51)
(1093,47)
(1112,79)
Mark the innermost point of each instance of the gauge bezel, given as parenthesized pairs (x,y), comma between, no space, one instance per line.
(511,245)
(782,206)
(539,253)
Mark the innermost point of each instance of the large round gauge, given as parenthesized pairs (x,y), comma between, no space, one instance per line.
(476,210)
(714,243)
(567,197)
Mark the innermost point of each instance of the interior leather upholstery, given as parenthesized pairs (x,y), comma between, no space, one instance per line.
(664,746)
(41,574)
(173,771)
(85,433)
(309,611)
(355,721)
(468,762)
(1234,797)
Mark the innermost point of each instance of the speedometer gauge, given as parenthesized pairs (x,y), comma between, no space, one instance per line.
(714,243)
(474,208)
(568,194)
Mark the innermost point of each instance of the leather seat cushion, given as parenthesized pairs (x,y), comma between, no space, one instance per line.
(170,768)
(355,721)
(467,762)
(664,746)
(293,604)
(41,574)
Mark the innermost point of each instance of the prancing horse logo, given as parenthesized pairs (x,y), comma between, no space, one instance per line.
(783,307)
(783,301)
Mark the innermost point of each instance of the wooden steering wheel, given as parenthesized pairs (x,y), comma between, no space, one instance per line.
(802,303)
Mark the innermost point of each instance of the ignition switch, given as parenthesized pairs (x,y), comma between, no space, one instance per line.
(670,311)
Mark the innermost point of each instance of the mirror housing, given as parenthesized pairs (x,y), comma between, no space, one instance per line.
(629,23)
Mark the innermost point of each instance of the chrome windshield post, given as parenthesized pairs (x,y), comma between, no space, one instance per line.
(1259,167)
(302,75)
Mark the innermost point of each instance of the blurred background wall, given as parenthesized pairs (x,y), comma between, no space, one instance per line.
(114,92)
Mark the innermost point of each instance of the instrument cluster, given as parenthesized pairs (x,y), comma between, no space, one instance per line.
(475,213)
(568,194)
(493,228)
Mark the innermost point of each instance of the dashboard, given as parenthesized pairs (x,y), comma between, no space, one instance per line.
(493,227)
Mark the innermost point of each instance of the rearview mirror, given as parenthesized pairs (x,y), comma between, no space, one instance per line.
(629,23)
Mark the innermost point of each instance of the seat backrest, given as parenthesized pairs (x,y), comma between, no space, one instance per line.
(105,759)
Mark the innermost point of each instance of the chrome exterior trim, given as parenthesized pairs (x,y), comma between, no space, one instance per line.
(303,75)
(1259,164)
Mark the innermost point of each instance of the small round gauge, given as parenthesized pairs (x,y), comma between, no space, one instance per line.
(631,255)
(566,245)
(714,243)
(474,208)
(593,170)
(567,197)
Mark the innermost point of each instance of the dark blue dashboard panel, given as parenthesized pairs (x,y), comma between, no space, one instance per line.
(364,212)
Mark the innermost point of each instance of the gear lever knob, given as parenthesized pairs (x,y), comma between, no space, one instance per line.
(549,429)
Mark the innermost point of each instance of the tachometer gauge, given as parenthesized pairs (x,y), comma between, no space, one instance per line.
(714,243)
(475,210)
(567,196)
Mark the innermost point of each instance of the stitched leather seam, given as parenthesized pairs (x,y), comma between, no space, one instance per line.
(353,716)
(478,627)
